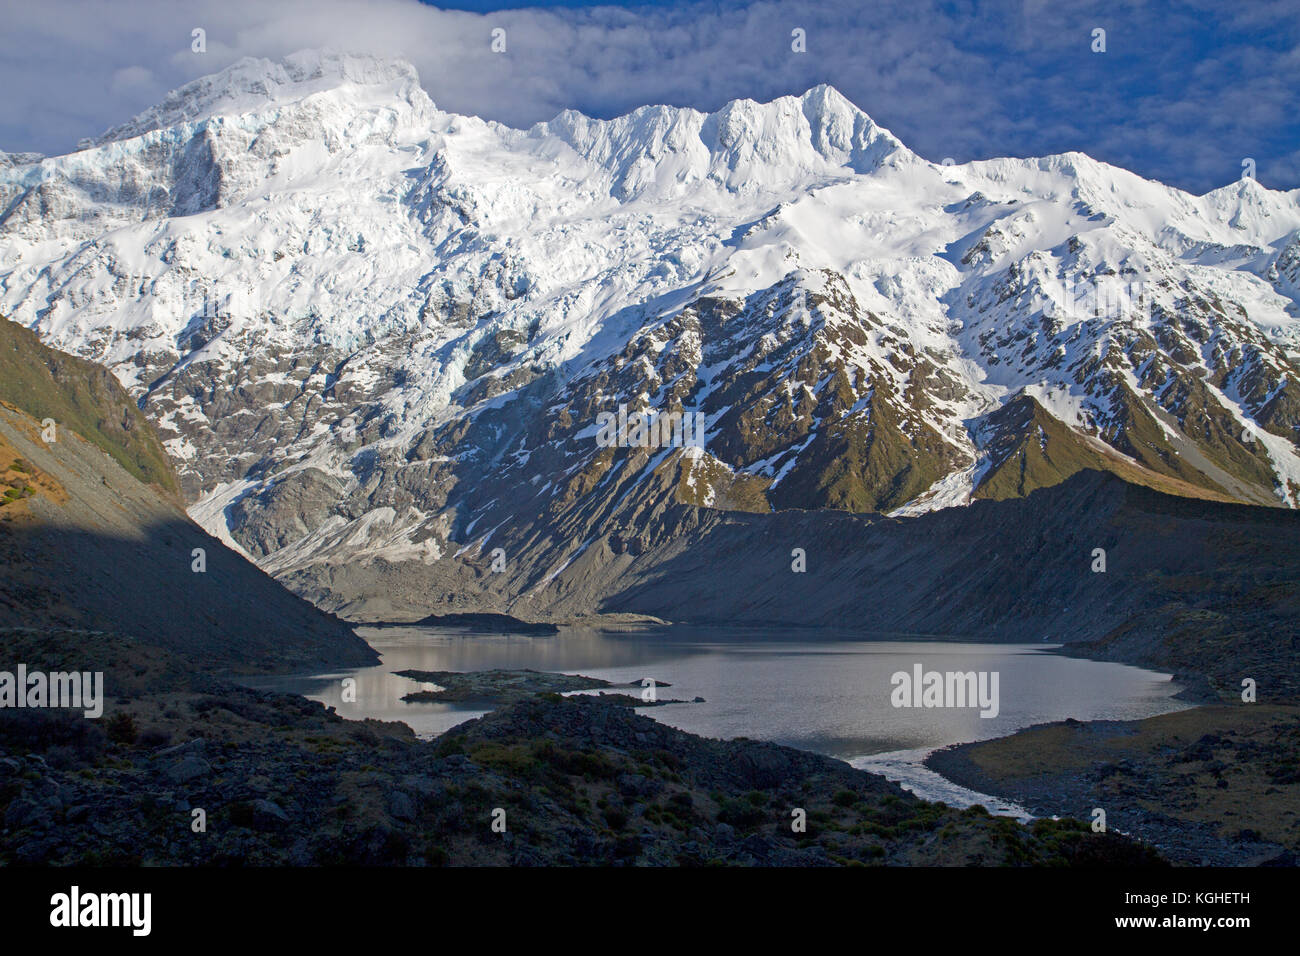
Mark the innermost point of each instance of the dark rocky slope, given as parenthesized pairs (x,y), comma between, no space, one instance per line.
(86,543)
(1208,786)
(1017,570)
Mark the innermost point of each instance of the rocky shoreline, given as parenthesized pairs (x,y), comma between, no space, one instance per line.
(1218,784)
(1210,786)
(497,687)
(475,622)
(189,769)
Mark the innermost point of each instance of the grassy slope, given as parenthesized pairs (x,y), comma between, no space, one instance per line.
(1039,451)
(83,397)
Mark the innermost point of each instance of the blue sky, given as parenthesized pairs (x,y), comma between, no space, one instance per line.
(1183,92)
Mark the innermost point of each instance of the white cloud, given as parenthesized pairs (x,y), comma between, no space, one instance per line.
(132,80)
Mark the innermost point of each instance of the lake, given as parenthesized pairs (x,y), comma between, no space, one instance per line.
(819,691)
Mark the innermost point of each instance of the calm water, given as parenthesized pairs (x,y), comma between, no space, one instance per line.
(829,694)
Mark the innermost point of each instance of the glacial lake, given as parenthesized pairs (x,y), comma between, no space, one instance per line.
(822,692)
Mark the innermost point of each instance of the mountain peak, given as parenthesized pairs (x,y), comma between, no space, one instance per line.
(827,99)
(744,144)
(372,332)
(253,82)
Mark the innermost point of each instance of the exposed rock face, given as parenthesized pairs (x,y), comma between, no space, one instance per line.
(374,333)
(286,511)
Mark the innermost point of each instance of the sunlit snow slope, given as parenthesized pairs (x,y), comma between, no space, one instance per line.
(368,328)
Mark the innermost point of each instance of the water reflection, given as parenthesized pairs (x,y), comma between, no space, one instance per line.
(823,692)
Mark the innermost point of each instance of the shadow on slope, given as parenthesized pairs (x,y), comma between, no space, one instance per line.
(1208,586)
(231,615)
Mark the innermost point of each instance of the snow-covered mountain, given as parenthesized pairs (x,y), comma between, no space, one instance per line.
(368,328)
